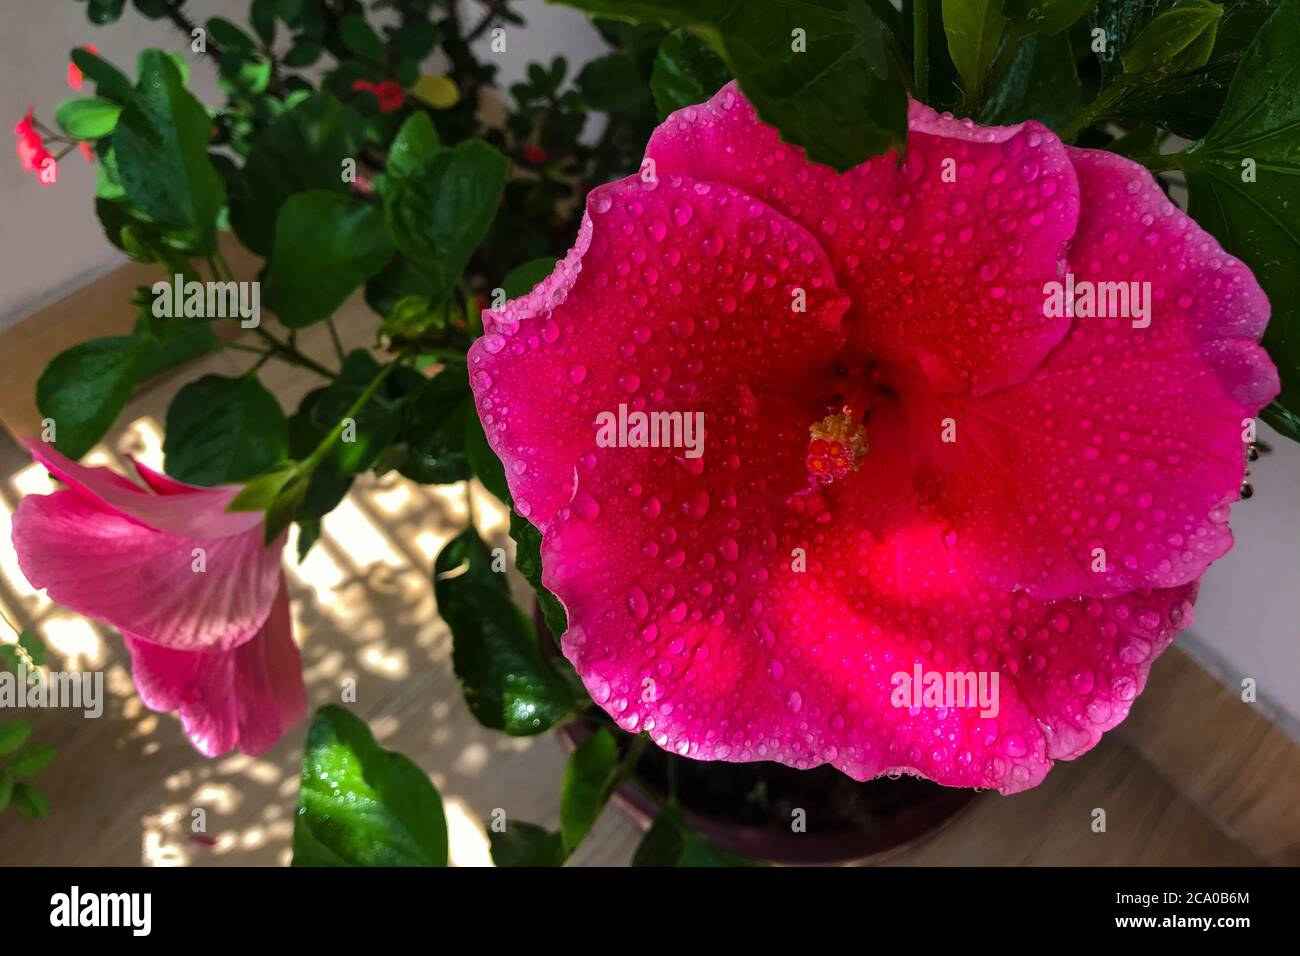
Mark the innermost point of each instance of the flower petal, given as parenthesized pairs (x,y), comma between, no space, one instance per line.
(244,698)
(742,634)
(729,302)
(1113,467)
(202,514)
(944,255)
(105,564)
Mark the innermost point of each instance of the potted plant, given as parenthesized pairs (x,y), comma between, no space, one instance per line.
(864,448)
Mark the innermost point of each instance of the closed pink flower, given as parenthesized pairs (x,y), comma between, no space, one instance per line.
(200,602)
(914,465)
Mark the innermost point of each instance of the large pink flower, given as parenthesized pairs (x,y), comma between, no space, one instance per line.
(910,462)
(201,603)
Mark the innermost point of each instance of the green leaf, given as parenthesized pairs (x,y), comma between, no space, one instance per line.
(1177,41)
(441,208)
(588,780)
(415,142)
(613,84)
(1259,222)
(1049,17)
(1184,103)
(528,560)
(6,787)
(303,54)
(433,429)
(221,430)
(326,246)
(686,71)
(258,494)
(521,280)
(974,28)
(31,800)
(303,149)
(84,389)
(33,760)
(362,805)
(416,39)
(375,425)
(1042,84)
(670,842)
(161,144)
(88,118)
(32,644)
(412,318)
(844,99)
(13,735)
(187,342)
(359,37)
(526,844)
(284,508)
(508,683)
(101,12)
(309,530)
(110,82)
(230,37)
(483,461)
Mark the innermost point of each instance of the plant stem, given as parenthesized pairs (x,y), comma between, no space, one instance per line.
(172,10)
(1159,162)
(1094,110)
(292,355)
(285,351)
(1006,56)
(445,355)
(631,757)
(495,9)
(334,335)
(247,348)
(323,449)
(921,48)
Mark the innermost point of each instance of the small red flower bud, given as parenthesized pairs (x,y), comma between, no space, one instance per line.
(75,75)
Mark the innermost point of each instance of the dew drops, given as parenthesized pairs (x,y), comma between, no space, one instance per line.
(638,604)
(586,507)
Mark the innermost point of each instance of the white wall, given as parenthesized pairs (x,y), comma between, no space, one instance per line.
(50,240)
(49,236)
(1248,614)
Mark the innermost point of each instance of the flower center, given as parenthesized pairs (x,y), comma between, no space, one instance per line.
(836,446)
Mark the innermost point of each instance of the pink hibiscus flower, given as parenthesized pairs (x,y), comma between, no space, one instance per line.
(200,602)
(913,465)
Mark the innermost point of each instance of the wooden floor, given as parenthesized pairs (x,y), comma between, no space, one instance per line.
(1194,777)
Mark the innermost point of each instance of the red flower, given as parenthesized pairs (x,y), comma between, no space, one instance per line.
(534,154)
(32,152)
(936,527)
(86,150)
(388,92)
(390,96)
(74,71)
